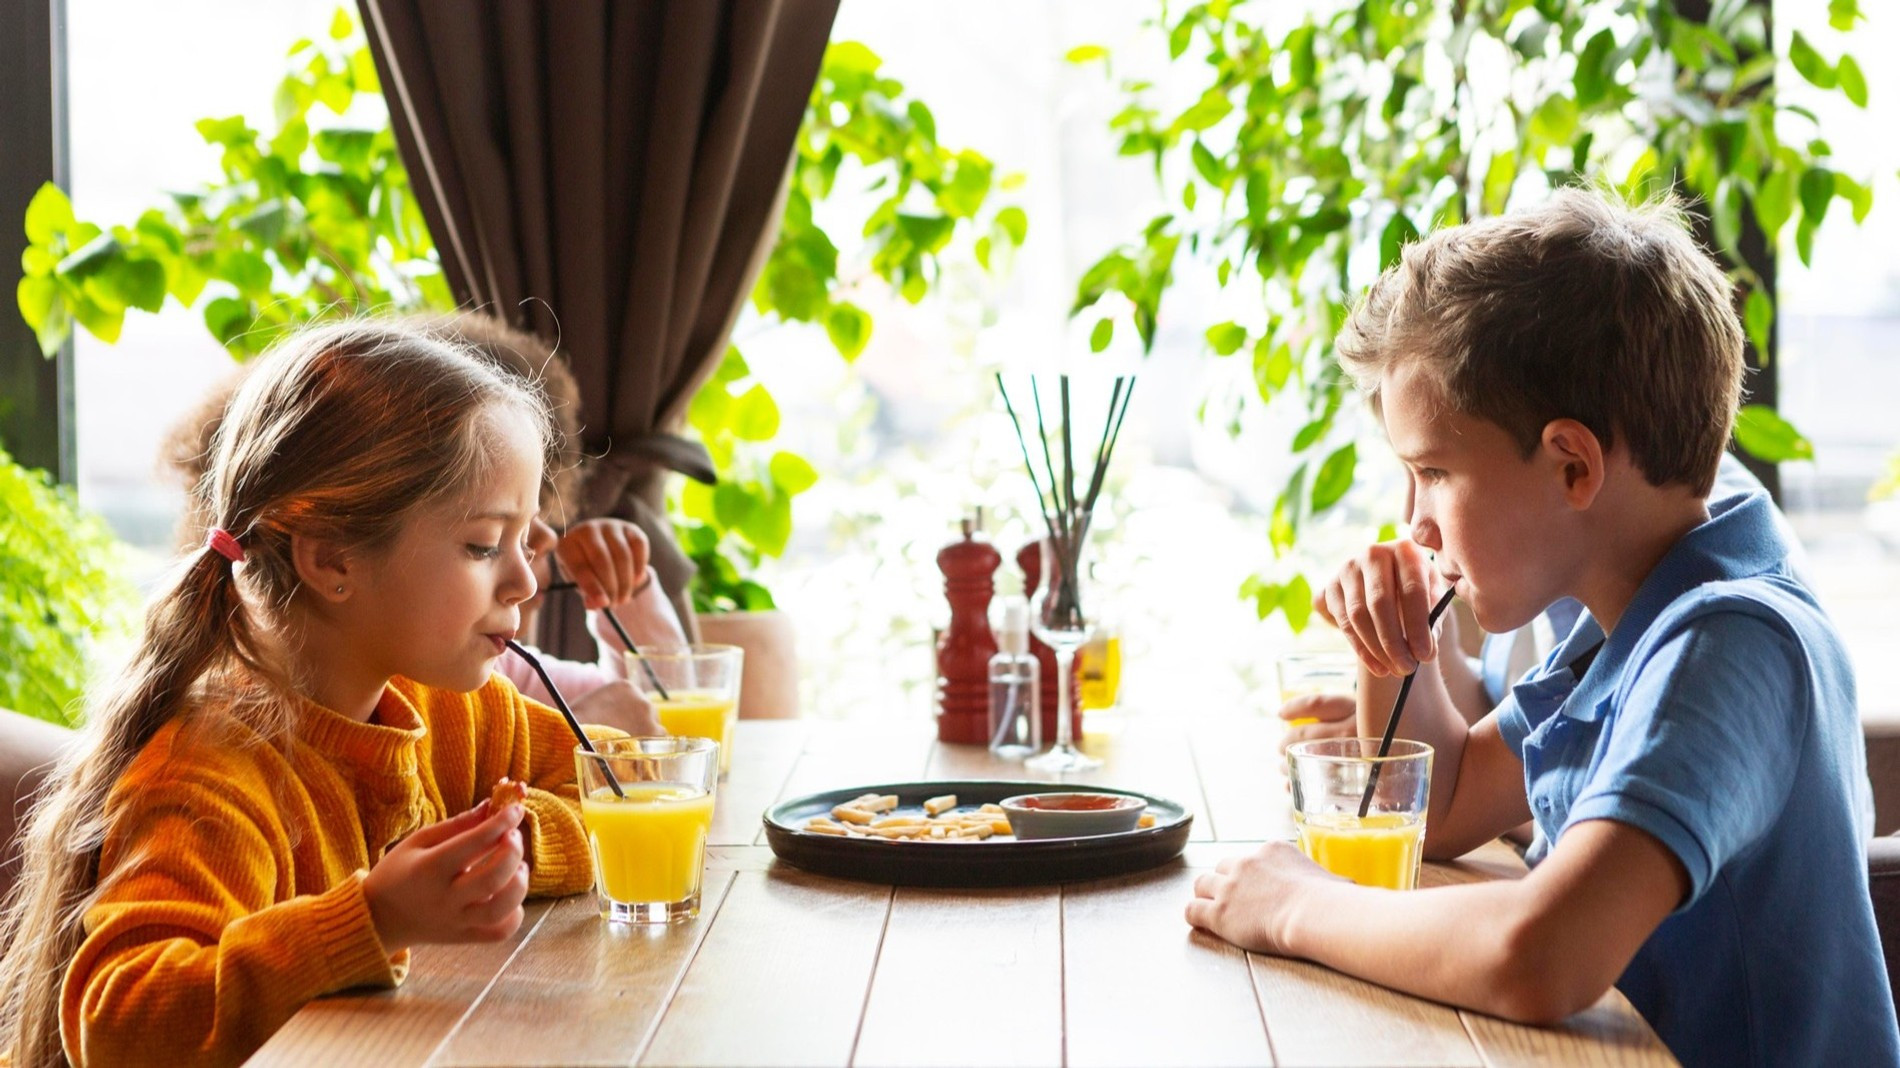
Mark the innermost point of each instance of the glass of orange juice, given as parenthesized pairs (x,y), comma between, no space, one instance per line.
(1330,777)
(694,689)
(647,804)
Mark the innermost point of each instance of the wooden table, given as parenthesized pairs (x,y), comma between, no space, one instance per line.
(787,968)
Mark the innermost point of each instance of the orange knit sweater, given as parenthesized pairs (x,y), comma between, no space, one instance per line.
(232,873)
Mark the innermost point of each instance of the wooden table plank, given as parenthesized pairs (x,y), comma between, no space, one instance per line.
(582,992)
(1142,987)
(967,977)
(402,1026)
(763,755)
(782,976)
(1317,1016)
(1240,767)
(1610,1033)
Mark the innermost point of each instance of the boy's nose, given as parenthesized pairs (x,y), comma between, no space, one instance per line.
(1425,534)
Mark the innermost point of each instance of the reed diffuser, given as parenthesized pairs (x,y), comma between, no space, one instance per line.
(1058,617)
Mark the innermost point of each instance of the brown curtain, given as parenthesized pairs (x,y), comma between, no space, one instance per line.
(606,174)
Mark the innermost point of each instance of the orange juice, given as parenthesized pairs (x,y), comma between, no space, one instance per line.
(1100,665)
(650,845)
(1383,849)
(700,714)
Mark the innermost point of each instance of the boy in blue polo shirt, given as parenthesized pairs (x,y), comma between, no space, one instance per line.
(1560,384)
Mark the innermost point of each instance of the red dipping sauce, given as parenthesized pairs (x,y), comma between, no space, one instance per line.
(1074,802)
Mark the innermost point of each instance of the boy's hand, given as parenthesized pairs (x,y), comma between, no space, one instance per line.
(1252,901)
(606,558)
(1318,715)
(460,880)
(617,704)
(1381,601)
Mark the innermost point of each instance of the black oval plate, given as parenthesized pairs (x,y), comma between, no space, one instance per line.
(993,862)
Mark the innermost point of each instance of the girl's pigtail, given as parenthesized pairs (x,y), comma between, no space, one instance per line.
(194,629)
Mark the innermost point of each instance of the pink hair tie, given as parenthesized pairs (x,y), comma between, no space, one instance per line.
(227,546)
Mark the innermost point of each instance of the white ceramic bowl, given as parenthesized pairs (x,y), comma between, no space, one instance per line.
(1072,813)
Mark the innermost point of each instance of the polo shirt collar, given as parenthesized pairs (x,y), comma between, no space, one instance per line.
(1739,540)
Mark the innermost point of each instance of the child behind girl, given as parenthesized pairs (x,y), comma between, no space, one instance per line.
(605,559)
(287,788)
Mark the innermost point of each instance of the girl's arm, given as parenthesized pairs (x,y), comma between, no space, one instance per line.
(534,745)
(189,956)
(1536,949)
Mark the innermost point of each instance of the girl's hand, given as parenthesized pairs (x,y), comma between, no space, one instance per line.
(606,558)
(460,880)
(1381,600)
(1317,715)
(618,704)
(1251,901)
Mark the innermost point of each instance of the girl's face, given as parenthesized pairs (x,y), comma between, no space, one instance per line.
(438,604)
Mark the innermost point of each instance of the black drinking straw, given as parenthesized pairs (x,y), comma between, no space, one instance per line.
(572,723)
(652,677)
(1398,706)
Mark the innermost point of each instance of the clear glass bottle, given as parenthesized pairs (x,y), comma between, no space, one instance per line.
(1015,696)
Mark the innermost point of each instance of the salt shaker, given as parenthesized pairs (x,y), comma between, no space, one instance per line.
(1015,697)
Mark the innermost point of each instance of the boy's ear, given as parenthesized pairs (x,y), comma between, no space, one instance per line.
(323,567)
(1577,455)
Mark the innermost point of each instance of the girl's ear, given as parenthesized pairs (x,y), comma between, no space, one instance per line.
(1576,455)
(323,567)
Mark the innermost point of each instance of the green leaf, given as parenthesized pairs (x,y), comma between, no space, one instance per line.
(35,295)
(849,328)
(90,257)
(228,318)
(1271,367)
(1804,240)
(1226,338)
(1085,53)
(135,283)
(1758,315)
(1335,477)
(48,215)
(1311,433)
(1101,335)
(792,473)
(1498,178)
(1843,14)
(1774,200)
(755,415)
(1555,120)
(1853,83)
(1296,601)
(1817,189)
(1398,231)
(1015,223)
(341,25)
(1767,436)
(1206,164)
(1593,78)
(101,322)
(1212,107)
(1809,63)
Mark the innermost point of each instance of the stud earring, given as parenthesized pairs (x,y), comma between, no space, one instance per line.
(339,589)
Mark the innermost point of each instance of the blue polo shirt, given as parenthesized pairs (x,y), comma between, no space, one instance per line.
(1720,717)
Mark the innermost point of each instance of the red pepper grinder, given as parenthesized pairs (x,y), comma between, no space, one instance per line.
(967,644)
(1029,558)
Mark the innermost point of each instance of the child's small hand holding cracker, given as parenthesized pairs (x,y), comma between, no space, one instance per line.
(460,880)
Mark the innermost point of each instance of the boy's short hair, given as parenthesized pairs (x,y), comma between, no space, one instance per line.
(1581,308)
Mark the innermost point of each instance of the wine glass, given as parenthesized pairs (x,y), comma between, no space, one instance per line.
(1058,619)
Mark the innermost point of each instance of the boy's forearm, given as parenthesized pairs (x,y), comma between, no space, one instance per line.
(1405,940)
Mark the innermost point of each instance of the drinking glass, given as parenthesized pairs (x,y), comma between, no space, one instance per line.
(1317,672)
(1058,619)
(694,690)
(1331,778)
(647,804)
